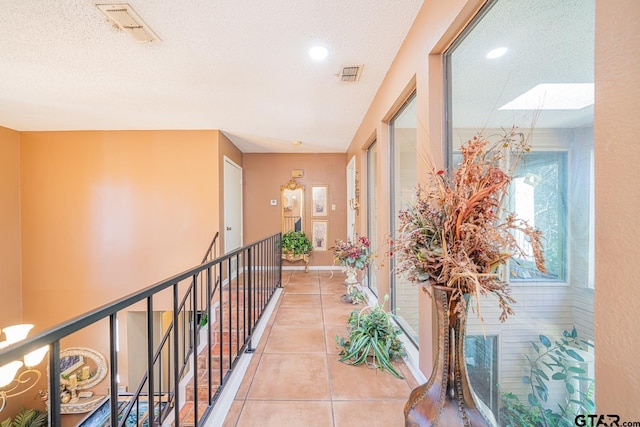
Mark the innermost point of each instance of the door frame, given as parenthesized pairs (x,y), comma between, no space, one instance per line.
(351,195)
(228,162)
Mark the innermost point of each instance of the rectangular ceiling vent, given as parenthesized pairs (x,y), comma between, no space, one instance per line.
(125,18)
(351,73)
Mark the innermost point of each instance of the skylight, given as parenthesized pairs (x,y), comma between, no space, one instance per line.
(554,96)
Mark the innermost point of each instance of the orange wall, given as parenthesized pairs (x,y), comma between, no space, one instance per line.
(106,213)
(10,280)
(617,156)
(10,274)
(413,69)
(263,176)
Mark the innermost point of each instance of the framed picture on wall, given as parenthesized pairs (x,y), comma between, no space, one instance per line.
(320,232)
(319,200)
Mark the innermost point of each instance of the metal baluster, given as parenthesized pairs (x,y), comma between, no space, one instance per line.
(150,352)
(195,350)
(209,320)
(54,383)
(113,368)
(176,355)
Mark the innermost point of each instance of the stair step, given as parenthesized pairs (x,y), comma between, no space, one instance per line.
(187,415)
(220,339)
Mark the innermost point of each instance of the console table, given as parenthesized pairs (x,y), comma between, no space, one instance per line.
(301,257)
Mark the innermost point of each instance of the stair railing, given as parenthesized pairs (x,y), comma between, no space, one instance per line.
(164,397)
(248,277)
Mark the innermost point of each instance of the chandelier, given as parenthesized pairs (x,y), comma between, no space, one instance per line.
(12,382)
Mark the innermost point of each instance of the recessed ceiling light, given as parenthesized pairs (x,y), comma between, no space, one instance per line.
(297,143)
(497,52)
(318,52)
(554,96)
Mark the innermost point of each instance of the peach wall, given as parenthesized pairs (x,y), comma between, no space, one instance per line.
(417,66)
(107,213)
(617,156)
(10,275)
(263,176)
(10,271)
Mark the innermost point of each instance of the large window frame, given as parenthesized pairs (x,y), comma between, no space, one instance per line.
(372,210)
(547,305)
(412,332)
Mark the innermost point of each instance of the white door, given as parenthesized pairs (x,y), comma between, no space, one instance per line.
(232,205)
(351,196)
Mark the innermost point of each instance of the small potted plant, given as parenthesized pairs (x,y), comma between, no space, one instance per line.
(296,246)
(296,243)
(372,339)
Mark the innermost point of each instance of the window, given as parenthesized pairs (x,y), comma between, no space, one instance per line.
(481,357)
(372,210)
(404,180)
(538,194)
(553,186)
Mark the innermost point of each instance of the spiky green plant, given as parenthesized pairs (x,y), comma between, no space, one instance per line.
(373,339)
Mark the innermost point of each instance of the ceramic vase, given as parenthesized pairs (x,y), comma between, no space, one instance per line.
(351,273)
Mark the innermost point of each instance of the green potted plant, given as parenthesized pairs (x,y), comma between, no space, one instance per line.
(296,243)
(373,340)
(27,418)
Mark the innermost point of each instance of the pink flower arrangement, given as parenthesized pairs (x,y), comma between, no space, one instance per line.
(353,254)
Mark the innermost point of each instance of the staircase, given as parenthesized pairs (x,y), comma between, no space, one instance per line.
(247,278)
(226,344)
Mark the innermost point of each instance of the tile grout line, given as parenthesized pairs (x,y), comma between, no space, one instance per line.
(326,350)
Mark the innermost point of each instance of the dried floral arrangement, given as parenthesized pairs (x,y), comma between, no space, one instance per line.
(457,232)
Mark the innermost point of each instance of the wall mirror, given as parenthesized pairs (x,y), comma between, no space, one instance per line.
(292,206)
(88,366)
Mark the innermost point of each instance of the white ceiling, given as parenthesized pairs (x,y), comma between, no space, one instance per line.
(236,65)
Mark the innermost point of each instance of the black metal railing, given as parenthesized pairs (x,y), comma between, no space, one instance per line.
(209,330)
(164,398)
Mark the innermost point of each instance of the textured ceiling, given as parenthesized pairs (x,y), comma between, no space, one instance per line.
(236,65)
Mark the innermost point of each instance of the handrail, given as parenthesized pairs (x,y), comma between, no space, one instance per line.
(253,271)
(211,246)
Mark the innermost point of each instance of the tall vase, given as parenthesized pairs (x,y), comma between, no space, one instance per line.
(447,399)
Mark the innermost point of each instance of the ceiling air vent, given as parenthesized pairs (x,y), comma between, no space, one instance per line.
(124,17)
(351,73)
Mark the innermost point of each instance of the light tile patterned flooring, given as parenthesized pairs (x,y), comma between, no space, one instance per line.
(295,378)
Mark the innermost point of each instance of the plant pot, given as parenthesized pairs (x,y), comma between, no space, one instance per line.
(447,399)
(351,273)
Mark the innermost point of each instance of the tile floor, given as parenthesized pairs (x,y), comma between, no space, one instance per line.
(295,378)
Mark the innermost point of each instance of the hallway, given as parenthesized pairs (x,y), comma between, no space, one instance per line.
(295,378)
